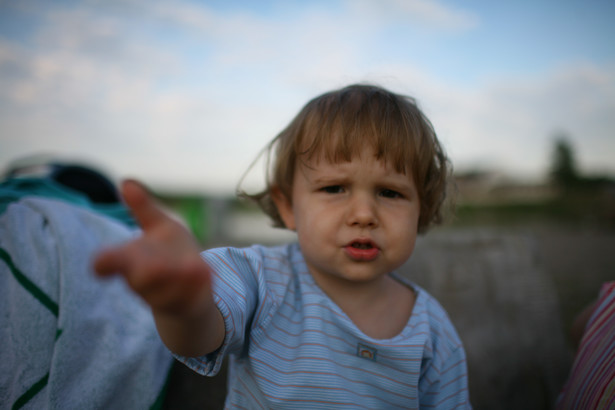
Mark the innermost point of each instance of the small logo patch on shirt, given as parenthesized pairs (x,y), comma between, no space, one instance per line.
(366,352)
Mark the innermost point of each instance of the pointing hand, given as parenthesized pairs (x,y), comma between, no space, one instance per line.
(163,265)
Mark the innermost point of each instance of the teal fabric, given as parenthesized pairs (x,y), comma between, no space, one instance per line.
(14,189)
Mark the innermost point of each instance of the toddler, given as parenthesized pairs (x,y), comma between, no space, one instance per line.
(324,322)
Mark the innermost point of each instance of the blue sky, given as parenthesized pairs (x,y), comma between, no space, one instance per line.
(184,94)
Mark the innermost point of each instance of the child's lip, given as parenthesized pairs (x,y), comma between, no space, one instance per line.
(362,249)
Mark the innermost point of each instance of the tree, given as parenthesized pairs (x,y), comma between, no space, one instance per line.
(563,168)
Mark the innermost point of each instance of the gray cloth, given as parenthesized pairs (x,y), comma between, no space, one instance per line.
(68,339)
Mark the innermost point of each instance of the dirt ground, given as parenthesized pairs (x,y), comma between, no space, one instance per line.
(578,262)
(513,294)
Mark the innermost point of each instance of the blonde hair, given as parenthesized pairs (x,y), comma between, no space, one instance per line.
(340,124)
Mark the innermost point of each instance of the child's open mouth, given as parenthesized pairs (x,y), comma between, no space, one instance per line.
(362,250)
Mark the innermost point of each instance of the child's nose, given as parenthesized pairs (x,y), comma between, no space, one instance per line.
(362,211)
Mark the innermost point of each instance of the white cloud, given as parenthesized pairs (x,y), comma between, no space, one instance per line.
(510,124)
(181,94)
(426,13)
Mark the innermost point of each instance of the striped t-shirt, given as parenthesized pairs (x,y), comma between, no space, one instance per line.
(291,346)
(591,384)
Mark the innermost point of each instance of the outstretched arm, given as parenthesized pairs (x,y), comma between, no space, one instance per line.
(164,267)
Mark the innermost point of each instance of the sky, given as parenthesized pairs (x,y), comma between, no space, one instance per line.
(185,94)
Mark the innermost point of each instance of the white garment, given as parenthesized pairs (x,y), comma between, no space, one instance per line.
(69,340)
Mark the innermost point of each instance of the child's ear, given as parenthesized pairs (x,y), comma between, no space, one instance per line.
(284,206)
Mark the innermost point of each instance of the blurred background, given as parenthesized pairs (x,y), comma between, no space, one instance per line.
(184,95)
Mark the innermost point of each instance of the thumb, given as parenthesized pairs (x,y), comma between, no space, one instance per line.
(143,206)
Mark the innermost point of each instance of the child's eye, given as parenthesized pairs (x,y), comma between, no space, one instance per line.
(389,193)
(333,189)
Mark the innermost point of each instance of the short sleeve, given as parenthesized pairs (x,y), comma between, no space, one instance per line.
(444,384)
(238,288)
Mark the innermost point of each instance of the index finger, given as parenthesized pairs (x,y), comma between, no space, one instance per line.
(143,206)
(111,261)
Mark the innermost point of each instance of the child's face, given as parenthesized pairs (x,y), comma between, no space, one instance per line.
(355,220)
